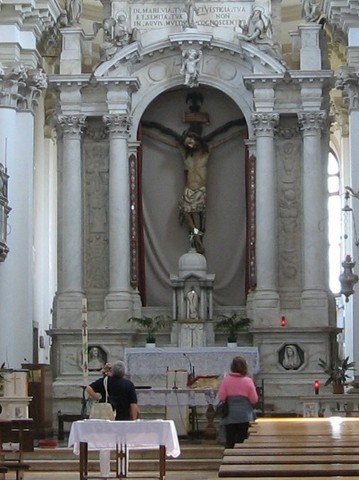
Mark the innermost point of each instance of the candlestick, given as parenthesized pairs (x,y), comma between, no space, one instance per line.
(85,371)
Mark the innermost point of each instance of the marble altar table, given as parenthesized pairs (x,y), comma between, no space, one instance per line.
(148,366)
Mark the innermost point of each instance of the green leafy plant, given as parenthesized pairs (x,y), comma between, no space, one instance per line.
(151,325)
(231,325)
(336,370)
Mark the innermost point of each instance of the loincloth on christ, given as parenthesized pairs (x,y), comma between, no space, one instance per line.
(193,201)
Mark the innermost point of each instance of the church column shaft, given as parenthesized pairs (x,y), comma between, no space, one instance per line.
(266,204)
(71,236)
(119,195)
(314,217)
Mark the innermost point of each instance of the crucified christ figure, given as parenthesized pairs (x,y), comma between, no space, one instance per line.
(195,151)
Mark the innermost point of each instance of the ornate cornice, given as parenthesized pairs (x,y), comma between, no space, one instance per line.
(344,14)
(30,15)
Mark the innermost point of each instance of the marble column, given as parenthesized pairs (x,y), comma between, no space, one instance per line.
(266,213)
(119,296)
(314,293)
(71,208)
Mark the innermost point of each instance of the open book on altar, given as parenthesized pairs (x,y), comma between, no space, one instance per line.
(204,381)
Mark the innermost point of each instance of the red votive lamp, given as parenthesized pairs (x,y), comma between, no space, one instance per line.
(316,386)
(283,321)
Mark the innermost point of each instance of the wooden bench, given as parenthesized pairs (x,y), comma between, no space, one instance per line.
(15,439)
(294,450)
(301,470)
(278,449)
(3,470)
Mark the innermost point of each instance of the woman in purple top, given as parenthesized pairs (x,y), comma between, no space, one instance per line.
(240,393)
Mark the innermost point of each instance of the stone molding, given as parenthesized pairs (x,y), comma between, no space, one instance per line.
(342,13)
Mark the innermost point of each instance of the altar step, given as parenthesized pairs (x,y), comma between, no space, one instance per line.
(194,457)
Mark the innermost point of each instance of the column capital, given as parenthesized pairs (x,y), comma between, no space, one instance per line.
(72,124)
(312,122)
(21,86)
(118,125)
(264,123)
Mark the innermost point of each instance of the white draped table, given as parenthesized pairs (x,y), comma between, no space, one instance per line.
(123,436)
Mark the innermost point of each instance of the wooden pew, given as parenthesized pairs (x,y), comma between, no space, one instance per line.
(295,449)
(279,470)
(17,434)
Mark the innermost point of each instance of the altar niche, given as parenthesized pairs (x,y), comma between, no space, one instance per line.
(219,230)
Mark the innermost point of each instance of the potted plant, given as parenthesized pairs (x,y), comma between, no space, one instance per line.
(231,325)
(151,325)
(337,372)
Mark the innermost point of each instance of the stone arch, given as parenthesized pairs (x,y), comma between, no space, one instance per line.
(236,61)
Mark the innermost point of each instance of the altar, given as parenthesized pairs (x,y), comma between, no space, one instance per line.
(149,366)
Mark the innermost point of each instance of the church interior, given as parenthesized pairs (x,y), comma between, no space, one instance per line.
(178,186)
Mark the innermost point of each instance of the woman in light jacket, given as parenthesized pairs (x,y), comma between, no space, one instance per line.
(240,393)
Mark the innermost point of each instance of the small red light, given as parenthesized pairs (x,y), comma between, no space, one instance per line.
(316,386)
(283,321)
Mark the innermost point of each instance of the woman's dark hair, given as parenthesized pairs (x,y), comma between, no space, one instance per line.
(239,365)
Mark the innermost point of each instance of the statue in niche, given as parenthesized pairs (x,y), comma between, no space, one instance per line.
(190,66)
(95,359)
(192,300)
(74,10)
(257,28)
(195,150)
(116,35)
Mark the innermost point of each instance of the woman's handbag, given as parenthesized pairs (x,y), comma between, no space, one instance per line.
(103,410)
(222,409)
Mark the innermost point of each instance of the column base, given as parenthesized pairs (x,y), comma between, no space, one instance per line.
(124,300)
(266,299)
(315,307)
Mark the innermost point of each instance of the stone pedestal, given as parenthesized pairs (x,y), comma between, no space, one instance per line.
(14,399)
(192,301)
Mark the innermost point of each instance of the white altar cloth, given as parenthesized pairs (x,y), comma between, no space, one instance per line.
(148,366)
(140,434)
